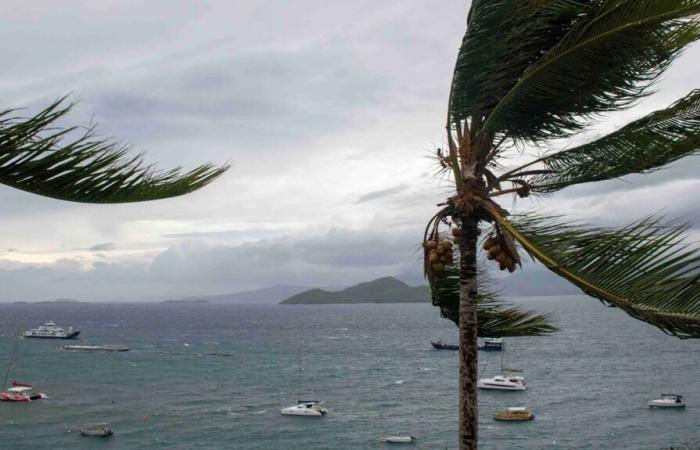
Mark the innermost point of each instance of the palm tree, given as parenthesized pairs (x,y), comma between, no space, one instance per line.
(74,164)
(530,72)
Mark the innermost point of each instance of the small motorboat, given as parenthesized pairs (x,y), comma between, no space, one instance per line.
(514,414)
(667,401)
(492,345)
(441,345)
(310,408)
(96,429)
(20,394)
(397,439)
(508,381)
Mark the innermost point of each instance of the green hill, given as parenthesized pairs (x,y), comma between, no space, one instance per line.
(382,290)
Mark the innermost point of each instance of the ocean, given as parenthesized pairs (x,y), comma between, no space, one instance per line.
(213,376)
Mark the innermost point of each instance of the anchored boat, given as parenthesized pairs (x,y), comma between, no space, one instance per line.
(312,408)
(509,380)
(492,345)
(308,408)
(96,429)
(19,392)
(397,439)
(506,382)
(667,401)
(440,345)
(514,414)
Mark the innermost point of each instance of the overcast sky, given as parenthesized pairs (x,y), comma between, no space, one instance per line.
(326,110)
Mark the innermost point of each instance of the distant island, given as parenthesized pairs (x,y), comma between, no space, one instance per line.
(381,290)
(188,300)
(58,301)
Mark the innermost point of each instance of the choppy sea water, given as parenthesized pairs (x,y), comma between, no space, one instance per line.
(215,376)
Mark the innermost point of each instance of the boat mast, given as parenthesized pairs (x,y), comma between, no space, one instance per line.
(503,351)
(299,370)
(13,356)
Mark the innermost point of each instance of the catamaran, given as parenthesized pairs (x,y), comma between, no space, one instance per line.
(308,408)
(509,380)
(667,401)
(19,392)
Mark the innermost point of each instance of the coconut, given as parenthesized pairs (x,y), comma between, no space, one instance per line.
(495,250)
(456,231)
(447,244)
(431,244)
(433,257)
(502,258)
(440,249)
(438,267)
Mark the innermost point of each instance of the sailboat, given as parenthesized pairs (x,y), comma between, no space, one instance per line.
(509,380)
(19,392)
(308,408)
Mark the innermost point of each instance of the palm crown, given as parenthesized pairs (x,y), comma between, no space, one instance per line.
(531,71)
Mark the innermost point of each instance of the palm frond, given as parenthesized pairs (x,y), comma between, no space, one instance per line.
(615,50)
(503,38)
(496,318)
(641,146)
(39,157)
(643,268)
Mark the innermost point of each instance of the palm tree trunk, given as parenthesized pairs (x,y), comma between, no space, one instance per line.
(468,351)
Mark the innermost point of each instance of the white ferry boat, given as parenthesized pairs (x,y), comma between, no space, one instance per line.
(50,330)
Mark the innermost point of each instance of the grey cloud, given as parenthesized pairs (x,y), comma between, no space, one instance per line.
(225,234)
(311,91)
(107,246)
(382,193)
(338,258)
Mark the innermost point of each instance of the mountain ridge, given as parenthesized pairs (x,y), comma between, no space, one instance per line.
(381,290)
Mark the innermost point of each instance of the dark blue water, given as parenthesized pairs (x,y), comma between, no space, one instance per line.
(215,377)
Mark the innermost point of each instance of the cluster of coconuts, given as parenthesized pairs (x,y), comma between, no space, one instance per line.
(439,254)
(498,250)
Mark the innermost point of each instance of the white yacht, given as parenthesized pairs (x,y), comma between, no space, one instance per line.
(50,330)
(508,381)
(305,408)
(667,401)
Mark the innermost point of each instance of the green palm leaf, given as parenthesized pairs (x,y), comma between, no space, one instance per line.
(643,268)
(644,145)
(608,59)
(503,38)
(496,318)
(39,157)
